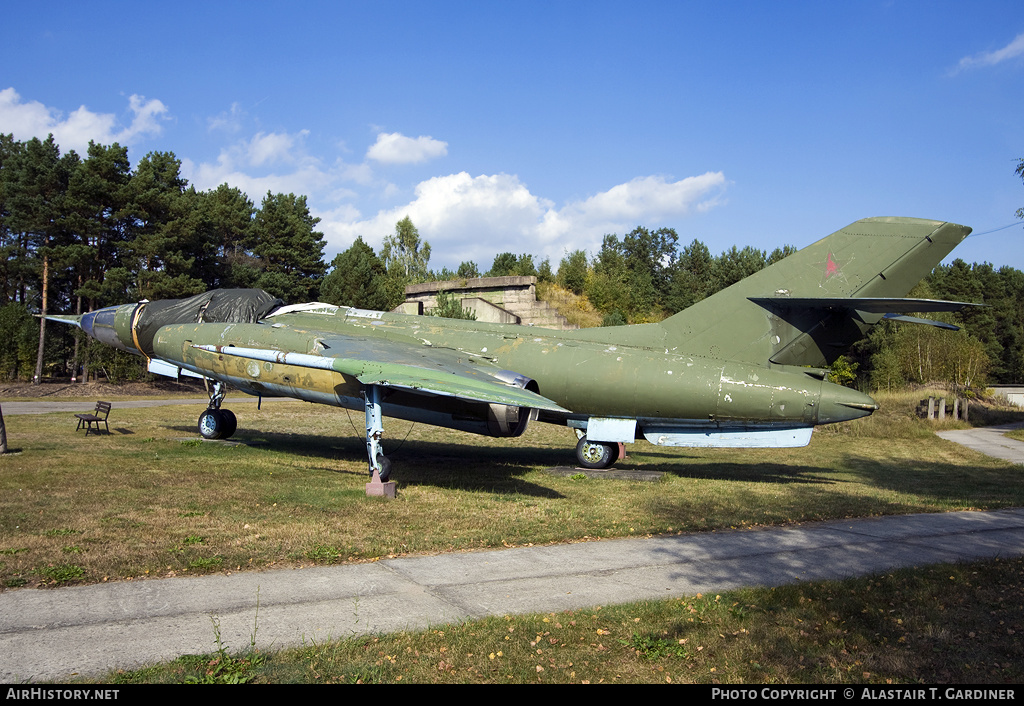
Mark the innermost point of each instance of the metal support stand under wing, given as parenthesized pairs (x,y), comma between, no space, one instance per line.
(380,466)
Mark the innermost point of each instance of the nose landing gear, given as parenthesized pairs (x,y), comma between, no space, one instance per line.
(214,422)
(217,423)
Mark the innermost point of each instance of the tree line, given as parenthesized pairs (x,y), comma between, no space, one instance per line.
(82,232)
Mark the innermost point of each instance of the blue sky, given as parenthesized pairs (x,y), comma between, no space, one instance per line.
(539,127)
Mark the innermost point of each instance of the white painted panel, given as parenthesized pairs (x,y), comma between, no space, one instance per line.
(606,429)
(159,367)
(725,438)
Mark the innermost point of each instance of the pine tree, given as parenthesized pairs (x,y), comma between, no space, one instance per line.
(356,279)
(288,249)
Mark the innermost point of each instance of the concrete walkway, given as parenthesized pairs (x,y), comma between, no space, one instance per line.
(85,404)
(990,441)
(56,634)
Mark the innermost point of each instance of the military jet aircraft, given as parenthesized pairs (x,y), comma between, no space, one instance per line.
(745,367)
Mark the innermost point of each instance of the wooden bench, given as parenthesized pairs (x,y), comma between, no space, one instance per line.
(98,415)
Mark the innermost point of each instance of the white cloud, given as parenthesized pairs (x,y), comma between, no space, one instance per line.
(1011,51)
(307,179)
(280,163)
(23,119)
(396,148)
(148,114)
(229,121)
(475,218)
(651,198)
(33,119)
(464,217)
(300,173)
(273,148)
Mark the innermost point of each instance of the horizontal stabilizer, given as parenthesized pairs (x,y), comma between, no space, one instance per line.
(470,384)
(871,305)
(926,322)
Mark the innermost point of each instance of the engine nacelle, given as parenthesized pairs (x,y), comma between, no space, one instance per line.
(506,420)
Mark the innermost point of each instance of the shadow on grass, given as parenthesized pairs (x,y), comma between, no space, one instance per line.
(414,458)
(992,486)
(701,468)
(456,466)
(498,466)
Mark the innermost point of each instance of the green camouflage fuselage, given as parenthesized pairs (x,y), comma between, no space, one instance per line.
(750,358)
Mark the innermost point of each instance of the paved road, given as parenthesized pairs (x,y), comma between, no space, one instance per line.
(55,634)
(85,404)
(990,441)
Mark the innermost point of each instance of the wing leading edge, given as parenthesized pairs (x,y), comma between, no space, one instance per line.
(449,381)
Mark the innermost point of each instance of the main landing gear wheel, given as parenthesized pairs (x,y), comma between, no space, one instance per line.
(596,454)
(217,423)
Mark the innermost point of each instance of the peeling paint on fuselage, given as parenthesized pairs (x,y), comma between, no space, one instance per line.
(588,377)
(593,377)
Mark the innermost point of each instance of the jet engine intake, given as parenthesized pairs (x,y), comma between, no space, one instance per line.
(506,420)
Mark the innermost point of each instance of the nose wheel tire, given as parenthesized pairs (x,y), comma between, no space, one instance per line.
(596,454)
(217,423)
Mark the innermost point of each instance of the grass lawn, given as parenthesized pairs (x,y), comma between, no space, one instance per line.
(151,500)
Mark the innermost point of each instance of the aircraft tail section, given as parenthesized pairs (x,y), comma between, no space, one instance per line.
(808,308)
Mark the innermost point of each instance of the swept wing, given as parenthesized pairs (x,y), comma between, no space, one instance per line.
(441,373)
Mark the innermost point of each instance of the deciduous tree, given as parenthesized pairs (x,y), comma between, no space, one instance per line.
(573,271)
(404,254)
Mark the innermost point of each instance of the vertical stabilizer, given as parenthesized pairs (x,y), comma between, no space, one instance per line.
(874,257)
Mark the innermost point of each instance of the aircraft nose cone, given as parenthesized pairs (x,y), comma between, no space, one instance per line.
(102,325)
(87,322)
(841,404)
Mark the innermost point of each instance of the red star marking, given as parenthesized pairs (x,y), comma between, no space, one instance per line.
(831,267)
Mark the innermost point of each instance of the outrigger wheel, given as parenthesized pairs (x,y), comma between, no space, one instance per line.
(373,396)
(596,454)
(384,468)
